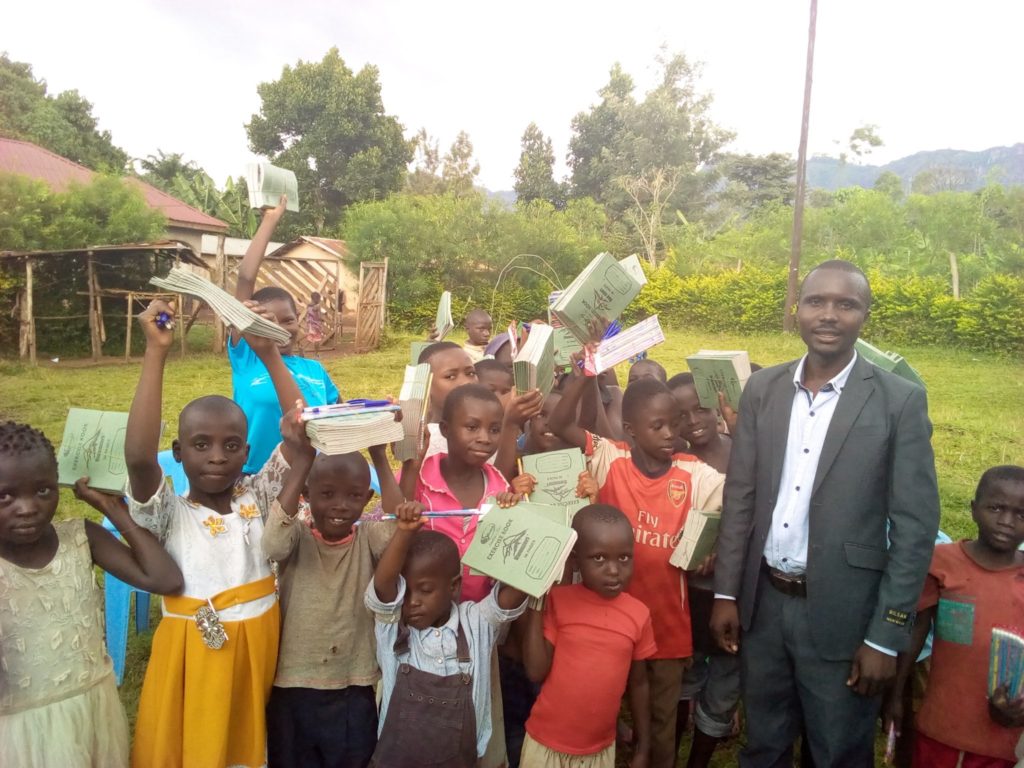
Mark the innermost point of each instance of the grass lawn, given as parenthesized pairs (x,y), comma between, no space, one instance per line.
(971,432)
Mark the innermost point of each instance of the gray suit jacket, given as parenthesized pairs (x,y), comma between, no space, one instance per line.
(876,467)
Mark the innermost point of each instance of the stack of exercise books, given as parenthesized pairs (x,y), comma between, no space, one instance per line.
(557,474)
(534,364)
(598,295)
(352,426)
(700,533)
(625,345)
(1006,663)
(888,361)
(415,400)
(718,370)
(266,183)
(521,547)
(93,447)
(632,265)
(233,312)
(565,343)
(443,322)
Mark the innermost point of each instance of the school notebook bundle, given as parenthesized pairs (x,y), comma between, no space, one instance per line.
(520,547)
(625,345)
(443,322)
(233,312)
(700,532)
(266,183)
(888,361)
(565,344)
(1006,663)
(557,474)
(716,370)
(598,295)
(415,400)
(352,426)
(534,364)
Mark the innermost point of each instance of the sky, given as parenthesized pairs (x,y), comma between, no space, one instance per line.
(181,75)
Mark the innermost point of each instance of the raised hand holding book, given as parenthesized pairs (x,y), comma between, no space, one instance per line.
(415,400)
(93,446)
(598,295)
(534,364)
(443,322)
(715,371)
(557,474)
(266,183)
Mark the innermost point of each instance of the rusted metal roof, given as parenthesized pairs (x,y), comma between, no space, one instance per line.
(170,247)
(27,159)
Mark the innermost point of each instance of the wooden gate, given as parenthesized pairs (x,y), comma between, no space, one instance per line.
(373,283)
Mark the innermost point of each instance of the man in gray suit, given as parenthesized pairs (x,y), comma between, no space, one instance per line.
(830,461)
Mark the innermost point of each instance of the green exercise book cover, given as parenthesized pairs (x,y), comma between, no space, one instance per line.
(565,344)
(266,183)
(534,364)
(415,349)
(600,293)
(717,371)
(522,547)
(93,446)
(698,539)
(889,361)
(557,474)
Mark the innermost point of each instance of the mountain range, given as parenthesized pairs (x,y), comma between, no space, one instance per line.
(953,168)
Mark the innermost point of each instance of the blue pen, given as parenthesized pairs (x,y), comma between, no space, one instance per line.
(165,321)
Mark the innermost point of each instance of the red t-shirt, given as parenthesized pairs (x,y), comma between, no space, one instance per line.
(971,601)
(596,641)
(657,509)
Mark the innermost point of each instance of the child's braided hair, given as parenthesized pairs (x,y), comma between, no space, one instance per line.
(21,438)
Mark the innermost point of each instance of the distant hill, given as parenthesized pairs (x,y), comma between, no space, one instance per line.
(959,169)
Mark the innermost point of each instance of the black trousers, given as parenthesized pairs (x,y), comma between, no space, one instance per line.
(313,728)
(786,683)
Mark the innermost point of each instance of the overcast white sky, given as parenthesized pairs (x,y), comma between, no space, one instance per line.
(181,75)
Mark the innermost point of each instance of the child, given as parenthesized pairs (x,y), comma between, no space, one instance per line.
(698,427)
(646,369)
(58,696)
(478,328)
(252,386)
(315,322)
(433,651)
(214,652)
(972,586)
(655,488)
(497,378)
(594,639)
(323,709)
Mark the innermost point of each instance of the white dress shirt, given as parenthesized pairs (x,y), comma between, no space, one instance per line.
(786,547)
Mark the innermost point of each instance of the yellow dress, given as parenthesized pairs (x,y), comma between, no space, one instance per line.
(58,698)
(200,707)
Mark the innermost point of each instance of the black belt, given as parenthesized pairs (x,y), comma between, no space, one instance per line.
(791,584)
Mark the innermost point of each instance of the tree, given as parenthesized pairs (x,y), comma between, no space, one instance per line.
(458,170)
(535,174)
(670,130)
(650,193)
(328,125)
(63,124)
(162,169)
(753,181)
(424,178)
(888,183)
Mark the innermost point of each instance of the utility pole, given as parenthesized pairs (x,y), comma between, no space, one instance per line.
(788,319)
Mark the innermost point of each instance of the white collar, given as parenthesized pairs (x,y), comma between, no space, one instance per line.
(837,382)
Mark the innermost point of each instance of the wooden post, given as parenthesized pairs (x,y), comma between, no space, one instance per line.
(27,331)
(220,278)
(788,319)
(128,328)
(94,330)
(179,324)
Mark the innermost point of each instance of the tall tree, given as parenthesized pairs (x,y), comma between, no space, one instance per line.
(424,178)
(888,183)
(162,169)
(535,174)
(63,123)
(328,125)
(756,180)
(459,170)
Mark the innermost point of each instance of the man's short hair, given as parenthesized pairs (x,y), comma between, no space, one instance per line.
(841,265)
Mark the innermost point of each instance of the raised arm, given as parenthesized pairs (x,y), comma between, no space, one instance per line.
(563,419)
(288,393)
(385,576)
(390,494)
(521,409)
(143,563)
(254,255)
(142,438)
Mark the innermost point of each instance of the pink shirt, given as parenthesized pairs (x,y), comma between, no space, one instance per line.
(432,492)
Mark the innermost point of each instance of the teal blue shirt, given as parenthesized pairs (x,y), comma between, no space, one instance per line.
(255,394)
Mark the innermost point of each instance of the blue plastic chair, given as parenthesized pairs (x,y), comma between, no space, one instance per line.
(118,595)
